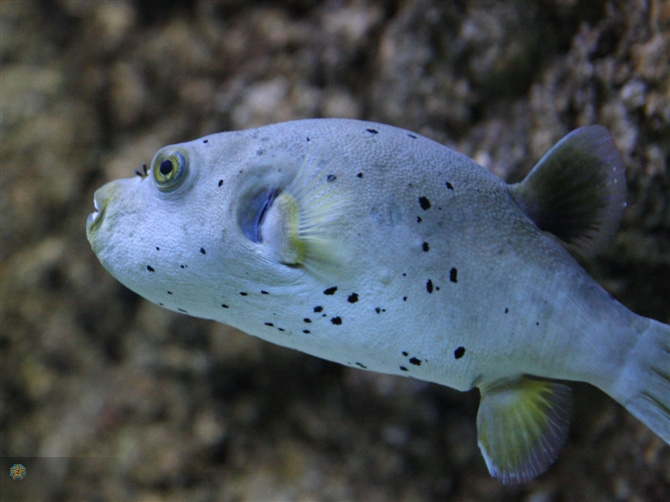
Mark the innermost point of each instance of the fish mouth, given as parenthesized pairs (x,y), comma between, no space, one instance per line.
(95,217)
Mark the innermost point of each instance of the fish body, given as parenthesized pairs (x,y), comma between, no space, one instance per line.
(378,248)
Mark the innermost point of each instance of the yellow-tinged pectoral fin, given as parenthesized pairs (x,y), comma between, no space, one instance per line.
(522,424)
(283,233)
(300,231)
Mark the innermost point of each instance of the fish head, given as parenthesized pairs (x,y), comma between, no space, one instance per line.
(218,216)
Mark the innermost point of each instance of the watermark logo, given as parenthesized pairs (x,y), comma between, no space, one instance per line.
(17,472)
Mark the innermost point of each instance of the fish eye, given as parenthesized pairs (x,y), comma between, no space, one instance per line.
(169,169)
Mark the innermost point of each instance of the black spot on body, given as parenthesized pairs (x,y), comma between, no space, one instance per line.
(243,293)
(220,182)
(318,308)
(281,330)
(425,246)
(378,310)
(150,268)
(269,324)
(372,131)
(424,203)
(359,175)
(418,219)
(415,361)
(404,353)
(307,320)
(336,320)
(157,248)
(169,292)
(182,310)
(404,298)
(202,250)
(353,298)
(223,305)
(330,178)
(361,365)
(183,266)
(306,331)
(459,352)
(205,141)
(412,136)
(450,186)
(453,275)
(263,292)
(506,310)
(330,291)
(402,368)
(429,286)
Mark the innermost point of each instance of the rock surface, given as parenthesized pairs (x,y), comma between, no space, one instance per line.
(106,397)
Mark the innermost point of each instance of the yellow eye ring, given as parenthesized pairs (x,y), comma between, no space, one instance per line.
(169,169)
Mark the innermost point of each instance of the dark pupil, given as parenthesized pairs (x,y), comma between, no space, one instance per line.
(166,167)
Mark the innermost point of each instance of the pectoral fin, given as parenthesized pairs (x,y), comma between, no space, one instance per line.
(300,226)
(521,426)
(282,227)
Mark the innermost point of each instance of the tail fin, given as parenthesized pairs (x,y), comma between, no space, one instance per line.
(643,386)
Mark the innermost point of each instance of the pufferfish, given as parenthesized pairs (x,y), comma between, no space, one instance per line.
(377,248)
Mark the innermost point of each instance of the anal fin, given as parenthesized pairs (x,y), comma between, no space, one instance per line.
(522,424)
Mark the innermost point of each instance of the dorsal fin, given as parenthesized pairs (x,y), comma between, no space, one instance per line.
(577,191)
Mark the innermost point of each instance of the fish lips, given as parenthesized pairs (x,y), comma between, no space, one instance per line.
(94,218)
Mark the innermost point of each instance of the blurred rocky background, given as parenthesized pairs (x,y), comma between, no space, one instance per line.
(106,397)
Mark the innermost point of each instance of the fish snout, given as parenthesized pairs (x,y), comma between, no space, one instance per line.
(103,198)
(93,217)
(100,198)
